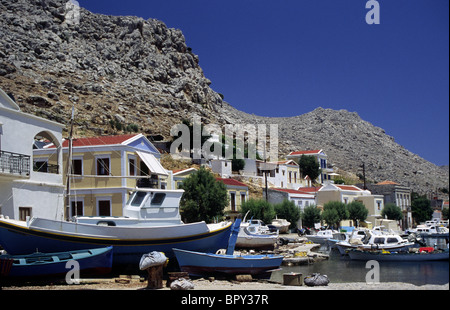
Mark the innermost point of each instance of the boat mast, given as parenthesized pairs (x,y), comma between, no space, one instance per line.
(69,170)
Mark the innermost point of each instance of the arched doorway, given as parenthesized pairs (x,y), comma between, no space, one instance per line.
(47,156)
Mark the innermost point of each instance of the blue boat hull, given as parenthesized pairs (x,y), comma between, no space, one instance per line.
(18,240)
(200,264)
(94,261)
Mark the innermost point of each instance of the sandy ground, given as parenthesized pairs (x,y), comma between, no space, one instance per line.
(229,285)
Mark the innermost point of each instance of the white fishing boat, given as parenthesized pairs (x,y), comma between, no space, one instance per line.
(254,234)
(358,233)
(374,241)
(321,237)
(151,222)
(282,225)
(430,231)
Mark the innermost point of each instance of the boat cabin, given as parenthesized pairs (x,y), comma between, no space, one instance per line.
(145,206)
(387,239)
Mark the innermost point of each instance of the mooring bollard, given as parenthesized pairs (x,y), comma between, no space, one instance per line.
(154,263)
(155,277)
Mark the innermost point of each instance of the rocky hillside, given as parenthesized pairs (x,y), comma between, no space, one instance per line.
(127,71)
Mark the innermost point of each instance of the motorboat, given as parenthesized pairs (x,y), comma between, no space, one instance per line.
(355,234)
(430,231)
(321,237)
(282,225)
(418,255)
(375,241)
(151,222)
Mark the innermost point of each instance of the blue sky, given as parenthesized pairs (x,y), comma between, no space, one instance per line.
(288,57)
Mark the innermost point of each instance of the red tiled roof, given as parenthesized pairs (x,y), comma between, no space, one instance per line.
(231,182)
(349,187)
(309,189)
(305,152)
(287,162)
(387,183)
(293,191)
(101,140)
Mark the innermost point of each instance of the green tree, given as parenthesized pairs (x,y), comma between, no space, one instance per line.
(259,209)
(237,164)
(334,212)
(309,166)
(357,211)
(421,208)
(289,211)
(204,198)
(311,215)
(331,217)
(445,213)
(392,212)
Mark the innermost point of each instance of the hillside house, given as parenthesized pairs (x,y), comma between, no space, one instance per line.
(27,188)
(105,169)
(223,167)
(327,174)
(237,194)
(349,193)
(302,199)
(180,175)
(397,194)
(285,175)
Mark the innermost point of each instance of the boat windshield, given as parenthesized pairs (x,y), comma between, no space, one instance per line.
(137,199)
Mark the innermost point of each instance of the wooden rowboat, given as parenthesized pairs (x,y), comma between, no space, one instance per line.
(91,261)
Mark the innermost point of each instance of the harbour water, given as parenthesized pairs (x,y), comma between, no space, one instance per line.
(341,269)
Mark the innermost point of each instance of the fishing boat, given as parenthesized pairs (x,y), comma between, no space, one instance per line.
(151,222)
(200,264)
(358,233)
(432,231)
(282,225)
(91,261)
(376,241)
(405,256)
(254,234)
(321,237)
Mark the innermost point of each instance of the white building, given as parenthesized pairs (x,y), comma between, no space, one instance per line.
(222,167)
(25,191)
(301,199)
(327,172)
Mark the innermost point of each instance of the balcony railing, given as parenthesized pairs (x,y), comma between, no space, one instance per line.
(14,163)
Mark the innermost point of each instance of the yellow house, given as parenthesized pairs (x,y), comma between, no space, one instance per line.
(180,175)
(237,193)
(105,169)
